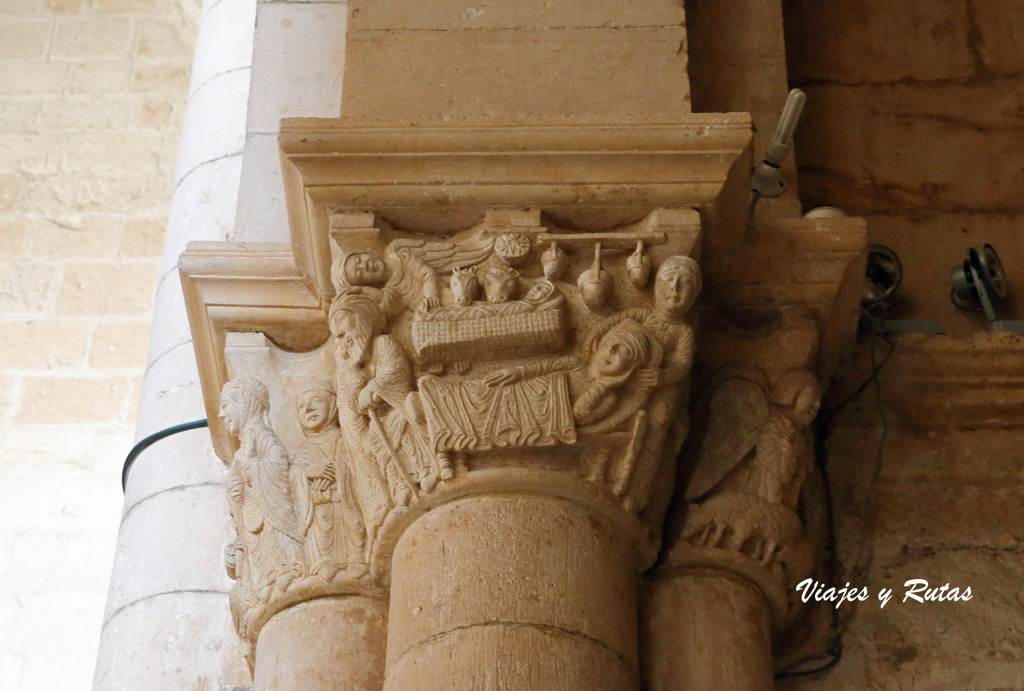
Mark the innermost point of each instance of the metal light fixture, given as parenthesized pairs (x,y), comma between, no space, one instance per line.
(882,276)
(981,280)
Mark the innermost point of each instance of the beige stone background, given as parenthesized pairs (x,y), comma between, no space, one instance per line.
(92,94)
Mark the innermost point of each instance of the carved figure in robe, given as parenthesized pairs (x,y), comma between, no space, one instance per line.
(649,477)
(375,376)
(325,499)
(754,459)
(408,278)
(269,535)
(611,385)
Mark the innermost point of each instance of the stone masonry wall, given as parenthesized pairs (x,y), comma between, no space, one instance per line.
(92,94)
(913,120)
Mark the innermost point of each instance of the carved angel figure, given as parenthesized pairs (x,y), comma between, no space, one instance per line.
(325,501)
(376,384)
(756,454)
(409,273)
(268,551)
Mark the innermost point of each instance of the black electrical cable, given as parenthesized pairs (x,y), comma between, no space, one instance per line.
(152,439)
(834,653)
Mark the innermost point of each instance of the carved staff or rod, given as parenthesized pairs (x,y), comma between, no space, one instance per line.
(391,450)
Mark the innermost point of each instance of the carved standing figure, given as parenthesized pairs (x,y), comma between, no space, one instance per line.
(325,500)
(259,491)
(375,379)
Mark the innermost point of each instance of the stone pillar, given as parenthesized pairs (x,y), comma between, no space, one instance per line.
(515,592)
(707,629)
(327,643)
(167,623)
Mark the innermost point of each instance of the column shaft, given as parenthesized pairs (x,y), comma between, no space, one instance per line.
(329,644)
(707,631)
(512,592)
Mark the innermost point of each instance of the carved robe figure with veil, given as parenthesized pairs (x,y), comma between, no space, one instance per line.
(325,500)
(268,552)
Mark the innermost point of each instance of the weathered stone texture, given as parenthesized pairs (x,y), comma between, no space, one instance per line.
(91,100)
(537,58)
(913,118)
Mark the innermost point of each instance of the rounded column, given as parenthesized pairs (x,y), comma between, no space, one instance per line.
(512,592)
(706,630)
(329,643)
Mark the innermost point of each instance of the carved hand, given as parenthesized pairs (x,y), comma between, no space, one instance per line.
(321,477)
(368,398)
(504,377)
(650,377)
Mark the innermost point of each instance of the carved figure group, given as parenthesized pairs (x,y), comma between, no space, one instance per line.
(302,515)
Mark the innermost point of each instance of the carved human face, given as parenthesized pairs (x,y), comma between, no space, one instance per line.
(673,291)
(805,408)
(365,269)
(613,358)
(314,410)
(231,413)
(352,336)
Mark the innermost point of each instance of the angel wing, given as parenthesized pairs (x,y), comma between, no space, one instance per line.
(441,255)
(737,408)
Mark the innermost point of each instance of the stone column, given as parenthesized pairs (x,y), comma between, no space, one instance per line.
(326,643)
(707,629)
(513,591)
(167,623)
(746,532)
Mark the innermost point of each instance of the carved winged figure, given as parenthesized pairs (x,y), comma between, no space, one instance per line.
(408,277)
(325,499)
(755,455)
(268,551)
(756,442)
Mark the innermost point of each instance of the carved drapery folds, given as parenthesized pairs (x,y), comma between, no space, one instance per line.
(446,365)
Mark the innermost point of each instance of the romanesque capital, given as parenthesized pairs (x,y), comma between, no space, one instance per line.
(513,357)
